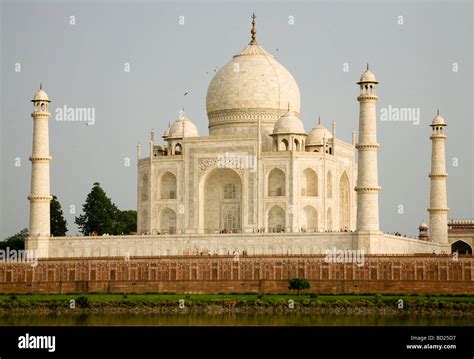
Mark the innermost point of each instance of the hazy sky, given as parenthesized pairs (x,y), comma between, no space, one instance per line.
(82,65)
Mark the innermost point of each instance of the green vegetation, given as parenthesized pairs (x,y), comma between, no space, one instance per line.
(298,284)
(83,301)
(58,223)
(101,216)
(126,222)
(17,241)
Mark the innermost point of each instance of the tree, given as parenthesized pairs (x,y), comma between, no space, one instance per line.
(17,241)
(126,222)
(100,213)
(58,223)
(298,284)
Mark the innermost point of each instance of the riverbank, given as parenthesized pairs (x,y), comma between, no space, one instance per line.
(218,304)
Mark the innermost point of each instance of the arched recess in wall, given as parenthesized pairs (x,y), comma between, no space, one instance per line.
(168,186)
(329,220)
(276,183)
(309,183)
(222,207)
(167,221)
(284,145)
(276,219)
(329,185)
(461,247)
(309,219)
(344,203)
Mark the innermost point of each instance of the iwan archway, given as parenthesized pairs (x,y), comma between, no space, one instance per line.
(221,207)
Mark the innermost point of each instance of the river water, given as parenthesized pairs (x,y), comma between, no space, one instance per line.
(296,319)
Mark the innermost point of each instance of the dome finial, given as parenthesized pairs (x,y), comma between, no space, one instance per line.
(41,85)
(438,112)
(253,31)
(319,120)
(367,66)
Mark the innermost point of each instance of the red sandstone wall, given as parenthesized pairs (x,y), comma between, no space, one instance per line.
(269,274)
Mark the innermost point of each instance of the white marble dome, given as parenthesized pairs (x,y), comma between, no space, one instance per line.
(252,86)
(423,225)
(438,120)
(368,76)
(289,123)
(41,95)
(316,135)
(183,127)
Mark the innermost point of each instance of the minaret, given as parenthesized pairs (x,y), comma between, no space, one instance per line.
(367,175)
(438,228)
(40,196)
(151,195)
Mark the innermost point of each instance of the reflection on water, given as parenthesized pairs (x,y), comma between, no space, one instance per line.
(227,320)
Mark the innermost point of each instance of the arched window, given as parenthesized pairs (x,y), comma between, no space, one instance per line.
(329,220)
(168,186)
(309,183)
(344,201)
(220,211)
(229,191)
(309,219)
(168,221)
(297,145)
(231,222)
(276,183)
(276,219)
(284,145)
(177,149)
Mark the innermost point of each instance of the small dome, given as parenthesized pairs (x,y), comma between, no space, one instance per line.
(183,127)
(438,120)
(41,95)
(423,225)
(317,134)
(367,76)
(289,123)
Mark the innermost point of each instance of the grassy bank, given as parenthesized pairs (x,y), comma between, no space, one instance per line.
(236,303)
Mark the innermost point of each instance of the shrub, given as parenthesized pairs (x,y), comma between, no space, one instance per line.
(83,301)
(298,284)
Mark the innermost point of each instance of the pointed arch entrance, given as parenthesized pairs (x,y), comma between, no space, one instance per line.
(221,208)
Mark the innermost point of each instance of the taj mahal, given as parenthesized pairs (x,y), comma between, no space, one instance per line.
(258,183)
